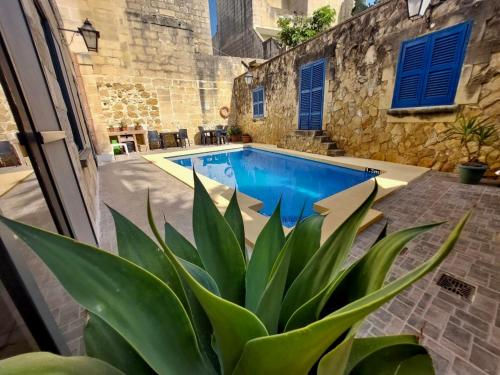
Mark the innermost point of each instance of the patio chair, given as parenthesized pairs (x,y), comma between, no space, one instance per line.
(154,140)
(219,127)
(181,137)
(221,136)
(203,136)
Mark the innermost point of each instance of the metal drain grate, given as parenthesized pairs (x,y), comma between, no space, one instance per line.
(456,286)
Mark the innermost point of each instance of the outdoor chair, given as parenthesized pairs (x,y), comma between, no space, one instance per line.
(154,140)
(221,136)
(205,139)
(181,137)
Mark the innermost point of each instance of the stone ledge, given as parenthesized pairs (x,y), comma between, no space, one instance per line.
(422,110)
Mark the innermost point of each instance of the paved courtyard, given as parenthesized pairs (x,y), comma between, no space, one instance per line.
(462,336)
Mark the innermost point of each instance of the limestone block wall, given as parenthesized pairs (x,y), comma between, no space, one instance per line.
(8,126)
(154,65)
(361,56)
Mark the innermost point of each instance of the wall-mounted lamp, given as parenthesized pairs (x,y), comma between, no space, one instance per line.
(90,35)
(417,8)
(248,74)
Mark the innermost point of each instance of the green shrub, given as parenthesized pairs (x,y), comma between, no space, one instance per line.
(172,308)
(234,130)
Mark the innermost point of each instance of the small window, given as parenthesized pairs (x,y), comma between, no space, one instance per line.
(429,68)
(258,102)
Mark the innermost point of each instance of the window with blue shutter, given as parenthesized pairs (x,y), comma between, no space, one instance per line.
(258,102)
(312,83)
(429,68)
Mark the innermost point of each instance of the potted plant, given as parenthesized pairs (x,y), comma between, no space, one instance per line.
(234,133)
(171,307)
(246,138)
(473,133)
(117,127)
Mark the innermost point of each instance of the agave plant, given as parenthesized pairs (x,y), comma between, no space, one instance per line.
(169,307)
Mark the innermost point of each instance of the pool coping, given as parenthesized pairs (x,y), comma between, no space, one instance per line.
(393,176)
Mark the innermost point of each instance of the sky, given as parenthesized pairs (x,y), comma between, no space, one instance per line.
(213,16)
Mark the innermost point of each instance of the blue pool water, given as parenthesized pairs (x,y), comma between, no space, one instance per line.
(268,175)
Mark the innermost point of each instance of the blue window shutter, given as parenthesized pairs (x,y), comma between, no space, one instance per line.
(317,85)
(258,102)
(411,73)
(312,82)
(305,97)
(444,65)
(429,68)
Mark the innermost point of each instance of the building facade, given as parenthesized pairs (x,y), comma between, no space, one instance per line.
(247,28)
(154,66)
(362,95)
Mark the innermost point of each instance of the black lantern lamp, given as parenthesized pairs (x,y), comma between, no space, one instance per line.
(89,33)
(417,8)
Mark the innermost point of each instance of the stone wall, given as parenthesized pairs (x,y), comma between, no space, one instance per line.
(154,65)
(361,56)
(8,126)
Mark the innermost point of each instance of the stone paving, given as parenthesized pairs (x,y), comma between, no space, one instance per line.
(462,337)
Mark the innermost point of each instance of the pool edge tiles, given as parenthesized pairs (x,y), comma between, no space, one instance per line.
(339,206)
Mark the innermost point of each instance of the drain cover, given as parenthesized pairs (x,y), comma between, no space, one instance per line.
(456,286)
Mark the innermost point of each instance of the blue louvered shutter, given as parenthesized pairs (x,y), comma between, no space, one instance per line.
(317,84)
(258,102)
(305,97)
(312,82)
(429,68)
(411,73)
(444,65)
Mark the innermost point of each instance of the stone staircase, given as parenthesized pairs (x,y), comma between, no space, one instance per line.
(313,141)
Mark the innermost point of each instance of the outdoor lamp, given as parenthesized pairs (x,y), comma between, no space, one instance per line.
(417,8)
(90,35)
(248,78)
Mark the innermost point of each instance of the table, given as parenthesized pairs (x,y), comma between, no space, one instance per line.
(140,138)
(164,134)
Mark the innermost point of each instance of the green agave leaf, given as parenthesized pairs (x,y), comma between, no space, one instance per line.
(335,361)
(310,237)
(387,361)
(42,363)
(104,343)
(364,347)
(284,353)
(137,247)
(200,275)
(267,247)
(416,365)
(235,221)
(326,263)
(217,245)
(269,306)
(233,325)
(162,336)
(370,271)
(181,246)
(361,278)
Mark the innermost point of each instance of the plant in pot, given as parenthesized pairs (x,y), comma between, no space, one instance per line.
(246,138)
(234,133)
(473,133)
(168,306)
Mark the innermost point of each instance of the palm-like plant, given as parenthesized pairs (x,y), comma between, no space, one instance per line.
(469,130)
(172,308)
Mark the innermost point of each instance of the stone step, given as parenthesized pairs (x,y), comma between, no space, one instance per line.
(322,138)
(329,145)
(309,133)
(335,152)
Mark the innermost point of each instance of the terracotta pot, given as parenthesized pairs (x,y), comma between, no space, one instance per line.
(246,138)
(235,138)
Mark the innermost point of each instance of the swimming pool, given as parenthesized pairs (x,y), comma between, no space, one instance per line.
(266,176)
